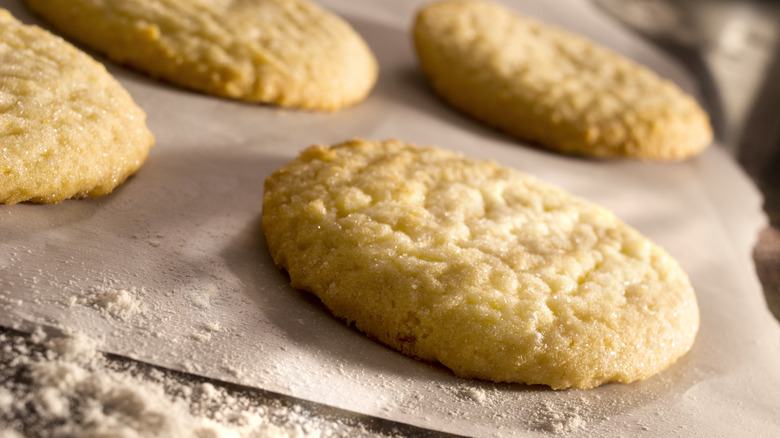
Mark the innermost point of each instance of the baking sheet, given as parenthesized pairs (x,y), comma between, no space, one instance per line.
(172,268)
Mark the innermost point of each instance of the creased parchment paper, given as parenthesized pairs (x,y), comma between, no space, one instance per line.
(172,268)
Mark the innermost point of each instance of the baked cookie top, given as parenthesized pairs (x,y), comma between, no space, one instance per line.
(552,87)
(291,53)
(480,267)
(67,128)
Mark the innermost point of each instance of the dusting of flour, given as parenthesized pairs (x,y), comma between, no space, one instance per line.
(62,386)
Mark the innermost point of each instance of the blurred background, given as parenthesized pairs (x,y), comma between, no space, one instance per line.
(733,48)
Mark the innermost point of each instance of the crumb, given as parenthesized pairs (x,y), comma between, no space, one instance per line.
(212,326)
(476,394)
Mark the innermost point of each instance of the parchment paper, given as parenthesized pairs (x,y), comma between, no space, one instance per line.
(182,239)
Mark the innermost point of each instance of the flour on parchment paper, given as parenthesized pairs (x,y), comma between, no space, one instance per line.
(62,386)
(536,414)
(203,296)
(117,302)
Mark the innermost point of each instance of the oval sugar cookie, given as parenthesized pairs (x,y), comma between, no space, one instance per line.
(290,53)
(484,269)
(553,88)
(67,128)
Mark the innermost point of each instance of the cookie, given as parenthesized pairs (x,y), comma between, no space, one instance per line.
(67,128)
(553,88)
(290,53)
(484,269)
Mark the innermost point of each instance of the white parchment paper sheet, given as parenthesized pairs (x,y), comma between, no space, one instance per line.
(182,239)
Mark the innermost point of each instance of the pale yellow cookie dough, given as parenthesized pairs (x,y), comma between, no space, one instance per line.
(290,53)
(553,88)
(482,268)
(67,128)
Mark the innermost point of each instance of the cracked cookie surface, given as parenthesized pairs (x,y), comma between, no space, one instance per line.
(480,267)
(290,53)
(552,87)
(67,127)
